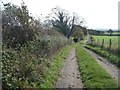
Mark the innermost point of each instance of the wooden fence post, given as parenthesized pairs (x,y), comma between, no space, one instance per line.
(109,48)
(102,44)
(110,43)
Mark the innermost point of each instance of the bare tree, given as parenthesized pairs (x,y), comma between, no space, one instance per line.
(63,21)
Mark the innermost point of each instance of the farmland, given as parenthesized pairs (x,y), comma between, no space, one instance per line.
(106,46)
(112,33)
(114,39)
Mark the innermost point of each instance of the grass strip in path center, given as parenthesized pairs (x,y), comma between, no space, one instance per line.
(93,75)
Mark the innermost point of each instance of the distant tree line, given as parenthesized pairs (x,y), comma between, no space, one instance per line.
(95,32)
(103,33)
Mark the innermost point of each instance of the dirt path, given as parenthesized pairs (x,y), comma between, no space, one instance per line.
(111,69)
(70,76)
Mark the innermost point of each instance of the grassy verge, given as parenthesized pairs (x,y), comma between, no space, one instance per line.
(93,75)
(52,72)
(112,58)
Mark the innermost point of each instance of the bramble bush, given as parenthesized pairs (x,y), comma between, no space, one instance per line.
(24,68)
(26,48)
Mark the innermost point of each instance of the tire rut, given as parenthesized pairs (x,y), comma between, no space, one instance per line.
(70,76)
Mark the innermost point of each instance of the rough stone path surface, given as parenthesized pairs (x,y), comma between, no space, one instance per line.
(70,75)
(110,68)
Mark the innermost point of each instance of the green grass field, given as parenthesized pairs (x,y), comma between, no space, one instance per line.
(115,42)
(112,33)
(112,54)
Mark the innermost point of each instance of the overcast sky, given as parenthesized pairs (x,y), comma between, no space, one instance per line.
(97,13)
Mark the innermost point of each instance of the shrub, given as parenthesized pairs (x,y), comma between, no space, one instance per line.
(24,68)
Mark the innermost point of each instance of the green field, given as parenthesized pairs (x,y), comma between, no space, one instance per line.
(110,53)
(115,43)
(112,33)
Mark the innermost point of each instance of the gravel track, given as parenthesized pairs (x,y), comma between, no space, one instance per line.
(70,75)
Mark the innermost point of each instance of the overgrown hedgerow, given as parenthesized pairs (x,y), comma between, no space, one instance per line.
(26,47)
(24,68)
